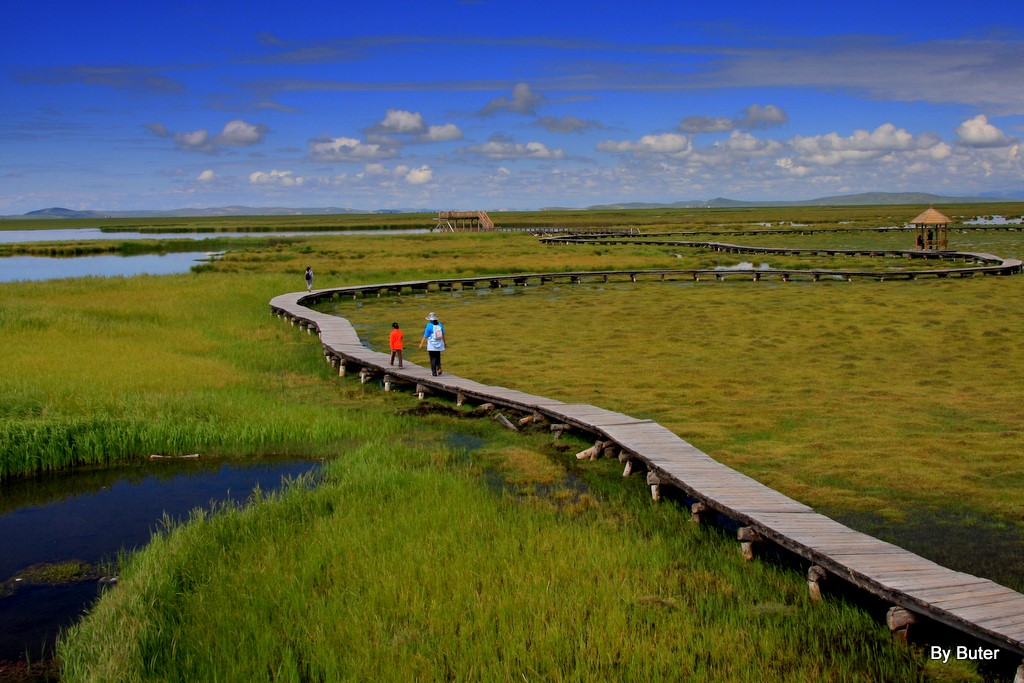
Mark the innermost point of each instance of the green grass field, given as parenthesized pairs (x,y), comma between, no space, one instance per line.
(407,561)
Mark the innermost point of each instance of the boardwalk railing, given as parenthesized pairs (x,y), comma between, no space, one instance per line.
(915,586)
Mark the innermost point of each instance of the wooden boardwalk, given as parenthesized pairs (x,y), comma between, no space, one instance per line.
(989,264)
(976,606)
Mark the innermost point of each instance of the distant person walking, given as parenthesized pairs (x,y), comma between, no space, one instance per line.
(396,344)
(433,335)
(309,279)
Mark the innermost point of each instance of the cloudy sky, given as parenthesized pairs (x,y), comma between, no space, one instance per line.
(504,104)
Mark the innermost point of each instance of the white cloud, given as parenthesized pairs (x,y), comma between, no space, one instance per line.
(402,122)
(411,124)
(444,133)
(566,124)
(207,176)
(768,116)
(238,133)
(276,178)
(706,124)
(970,71)
(499,148)
(347,149)
(523,101)
(787,165)
(978,132)
(664,143)
(195,140)
(419,176)
(832,148)
(754,117)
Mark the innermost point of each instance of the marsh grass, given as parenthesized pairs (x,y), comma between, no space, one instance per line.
(98,371)
(867,396)
(401,566)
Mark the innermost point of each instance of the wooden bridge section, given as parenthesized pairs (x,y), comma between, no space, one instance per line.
(917,588)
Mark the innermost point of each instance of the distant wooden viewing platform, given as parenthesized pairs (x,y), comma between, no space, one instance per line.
(464,221)
(479,221)
(918,590)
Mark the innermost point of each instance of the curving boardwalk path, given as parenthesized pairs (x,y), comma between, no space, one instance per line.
(917,587)
(988,264)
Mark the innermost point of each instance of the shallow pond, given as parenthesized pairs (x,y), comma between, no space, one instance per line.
(80,234)
(37,268)
(52,523)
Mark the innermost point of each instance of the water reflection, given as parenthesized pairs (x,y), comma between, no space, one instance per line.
(89,516)
(80,234)
(35,268)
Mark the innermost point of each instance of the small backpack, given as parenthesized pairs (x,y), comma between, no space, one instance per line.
(438,332)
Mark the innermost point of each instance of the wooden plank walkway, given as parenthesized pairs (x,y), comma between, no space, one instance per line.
(976,606)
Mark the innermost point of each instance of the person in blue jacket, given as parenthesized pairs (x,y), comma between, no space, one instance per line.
(433,335)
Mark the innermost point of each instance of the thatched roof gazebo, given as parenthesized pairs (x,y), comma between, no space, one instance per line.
(932,230)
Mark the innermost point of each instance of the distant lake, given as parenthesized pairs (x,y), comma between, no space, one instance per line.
(79,234)
(35,268)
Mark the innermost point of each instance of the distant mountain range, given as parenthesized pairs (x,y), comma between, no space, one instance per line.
(862,199)
(213,212)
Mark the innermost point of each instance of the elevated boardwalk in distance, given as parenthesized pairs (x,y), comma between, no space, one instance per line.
(464,221)
(479,221)
(916,587)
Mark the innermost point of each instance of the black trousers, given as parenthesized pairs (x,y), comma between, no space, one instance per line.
(435,362)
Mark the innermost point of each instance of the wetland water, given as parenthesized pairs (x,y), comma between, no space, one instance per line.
(81,234)
(38,268)
(85,518)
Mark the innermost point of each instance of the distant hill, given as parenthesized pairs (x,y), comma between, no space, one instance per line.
(862,199)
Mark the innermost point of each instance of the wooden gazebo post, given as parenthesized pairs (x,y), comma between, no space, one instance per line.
(932,230)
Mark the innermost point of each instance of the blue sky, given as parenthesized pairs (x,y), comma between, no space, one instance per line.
(494,104)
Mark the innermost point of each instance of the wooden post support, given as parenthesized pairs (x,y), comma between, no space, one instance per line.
(487,406)
(421,391)
(387,382)
(341,367)
(748,537)
(629,468)
(504,422)
(591,453)
(558,430)
(899,621)
(815,577)
(654,481)
(365,375)
(699,513)
(460,398)
(1019,678)
(535,417)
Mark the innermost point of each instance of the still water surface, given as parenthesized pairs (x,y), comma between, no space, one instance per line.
(80,234)
(36,268)
(90,516)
